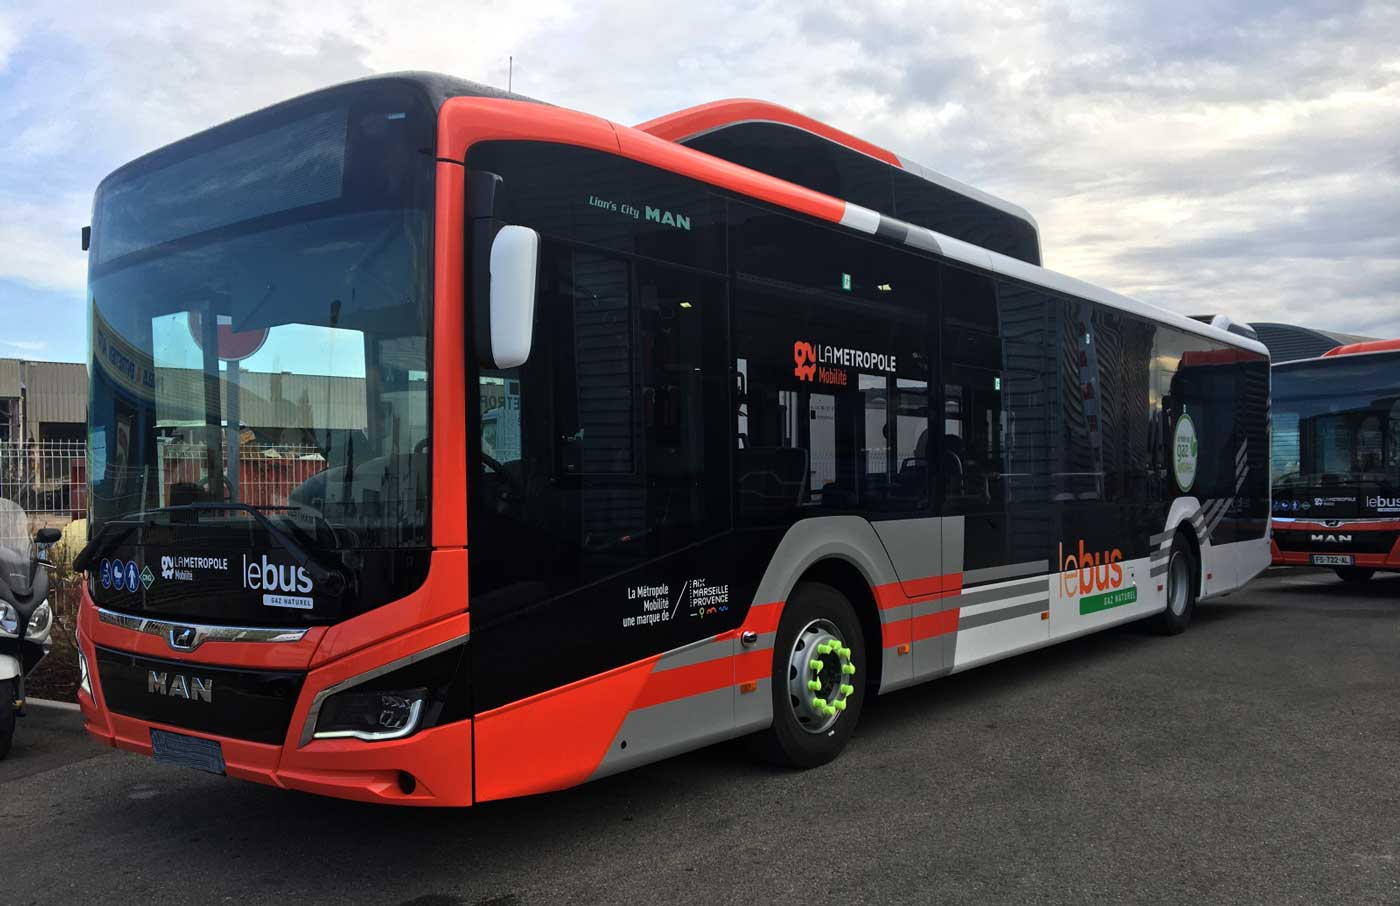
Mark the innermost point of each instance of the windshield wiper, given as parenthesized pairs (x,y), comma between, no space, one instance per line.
(333,580)
(111,534)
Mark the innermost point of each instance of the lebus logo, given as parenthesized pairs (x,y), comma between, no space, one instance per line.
(1096,579)
(824,364)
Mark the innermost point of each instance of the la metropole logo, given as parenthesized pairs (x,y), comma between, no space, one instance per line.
(805,357)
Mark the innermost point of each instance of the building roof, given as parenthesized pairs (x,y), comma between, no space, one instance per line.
(55,392)
(1289,342)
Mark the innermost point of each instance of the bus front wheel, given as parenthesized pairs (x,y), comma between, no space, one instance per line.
(818,678)
(1354,575)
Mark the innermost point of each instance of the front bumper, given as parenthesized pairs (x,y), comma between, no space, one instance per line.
(1373,545)
(431,767)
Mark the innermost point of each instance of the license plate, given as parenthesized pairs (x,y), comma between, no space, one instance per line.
(1332,560)
(187,751)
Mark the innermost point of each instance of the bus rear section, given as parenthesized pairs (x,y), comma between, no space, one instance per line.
(1336,461)
(449,447)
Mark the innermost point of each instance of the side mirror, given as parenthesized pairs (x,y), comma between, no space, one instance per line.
(515,257)
(47,536)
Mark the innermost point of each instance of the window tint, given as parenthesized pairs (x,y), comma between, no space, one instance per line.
(974,421)
(595,451)
(832,370)
(603,200)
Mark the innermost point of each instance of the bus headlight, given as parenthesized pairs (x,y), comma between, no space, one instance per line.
(415,693)
(371,715)
(9,620)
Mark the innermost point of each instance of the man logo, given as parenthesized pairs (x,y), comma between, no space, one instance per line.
(183,638)
(192,689)
(806,358)
(1332,539)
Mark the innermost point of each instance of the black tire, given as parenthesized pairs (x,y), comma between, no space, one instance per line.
(1181,565)
(788,742)
(1355,575)
(7,716)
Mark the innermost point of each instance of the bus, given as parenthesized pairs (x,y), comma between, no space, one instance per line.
(575,446)
(1336,461)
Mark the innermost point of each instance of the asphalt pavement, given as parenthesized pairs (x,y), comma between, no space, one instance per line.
(1255,759)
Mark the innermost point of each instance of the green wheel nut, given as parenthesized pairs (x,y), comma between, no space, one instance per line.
(840,705)
(814,685)
(823,648)
(848,669)
(846,653)
(847,690)
(818,703)
(816,665)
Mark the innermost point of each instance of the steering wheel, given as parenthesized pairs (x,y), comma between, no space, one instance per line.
(420,446)
(512,488)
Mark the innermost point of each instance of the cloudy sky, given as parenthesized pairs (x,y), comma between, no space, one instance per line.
(1205,156)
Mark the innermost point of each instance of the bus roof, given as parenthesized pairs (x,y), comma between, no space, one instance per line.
(588,130)
(687,126)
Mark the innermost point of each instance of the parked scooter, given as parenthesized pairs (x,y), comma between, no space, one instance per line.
(26,620)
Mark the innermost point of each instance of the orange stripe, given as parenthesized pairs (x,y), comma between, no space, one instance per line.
(935,624)
(896,633)
(762,618)
(682,682)
(753,665)
(935,586)
(898,594)
(683,124)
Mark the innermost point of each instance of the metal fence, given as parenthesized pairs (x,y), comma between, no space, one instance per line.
(49,478)
(44,477)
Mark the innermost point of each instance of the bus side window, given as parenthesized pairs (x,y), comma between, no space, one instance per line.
(974,419)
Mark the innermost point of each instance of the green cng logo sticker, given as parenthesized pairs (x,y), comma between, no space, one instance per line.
(147,577)
(1108,600)
(1185,448)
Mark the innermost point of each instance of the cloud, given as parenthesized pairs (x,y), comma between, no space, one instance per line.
(26,345)
(1203,156)
(9,37)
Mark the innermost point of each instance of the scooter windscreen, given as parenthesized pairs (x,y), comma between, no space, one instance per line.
(16,563)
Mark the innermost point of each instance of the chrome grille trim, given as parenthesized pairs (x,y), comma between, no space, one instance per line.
(197,634)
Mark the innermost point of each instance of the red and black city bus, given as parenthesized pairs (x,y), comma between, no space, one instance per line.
(447,446)
(1336,460)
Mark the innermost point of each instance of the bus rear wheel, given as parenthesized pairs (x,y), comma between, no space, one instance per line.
(1182,583)
(1355,575)
(818,678)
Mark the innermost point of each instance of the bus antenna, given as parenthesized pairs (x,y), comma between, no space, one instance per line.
(510,72)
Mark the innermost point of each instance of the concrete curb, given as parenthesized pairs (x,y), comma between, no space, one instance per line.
(50,703)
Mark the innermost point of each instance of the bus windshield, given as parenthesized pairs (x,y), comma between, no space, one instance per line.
(260,299)
(1336,446)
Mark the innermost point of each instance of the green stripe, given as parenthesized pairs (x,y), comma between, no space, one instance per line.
(1107,600)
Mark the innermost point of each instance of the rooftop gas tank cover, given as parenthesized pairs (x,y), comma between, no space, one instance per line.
(785,144)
